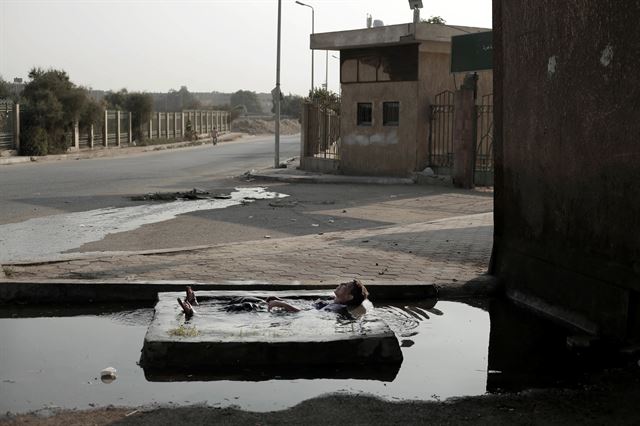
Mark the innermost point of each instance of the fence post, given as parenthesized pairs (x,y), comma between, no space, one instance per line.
(76,135)
(91,136)
(16,126)
(105,141)
(182,125)
(150,129)
(118,128)
(130,132)
(158,127)
(464,133)
(175,125)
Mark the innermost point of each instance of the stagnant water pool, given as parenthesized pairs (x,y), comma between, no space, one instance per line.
(55,361)
(52,357)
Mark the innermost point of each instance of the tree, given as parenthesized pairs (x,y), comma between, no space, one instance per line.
(53,105)
(247,98)
(326,99)
(141,106)
(4,89)
(434,20)
(290,105)
(177,100)
(117,100)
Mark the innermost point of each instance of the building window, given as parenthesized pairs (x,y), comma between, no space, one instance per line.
(365,114)
(390,113)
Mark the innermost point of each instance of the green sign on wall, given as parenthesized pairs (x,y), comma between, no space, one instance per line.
(472,52)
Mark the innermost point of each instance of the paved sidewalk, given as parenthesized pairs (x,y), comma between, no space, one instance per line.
(446,251)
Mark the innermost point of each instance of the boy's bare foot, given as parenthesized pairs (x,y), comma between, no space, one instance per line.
(186,307)
(191,296)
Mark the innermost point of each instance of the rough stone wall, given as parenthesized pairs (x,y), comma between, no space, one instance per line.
(567,96)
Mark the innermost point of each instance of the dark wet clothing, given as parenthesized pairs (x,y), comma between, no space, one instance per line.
(254,304)
(330,306)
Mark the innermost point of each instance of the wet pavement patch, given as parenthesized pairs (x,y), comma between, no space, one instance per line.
(45,238)
(224,343)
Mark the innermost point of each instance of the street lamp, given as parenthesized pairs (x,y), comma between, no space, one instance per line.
(313,19)
(339,80)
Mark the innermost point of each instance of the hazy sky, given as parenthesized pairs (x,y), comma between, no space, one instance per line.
(222,45)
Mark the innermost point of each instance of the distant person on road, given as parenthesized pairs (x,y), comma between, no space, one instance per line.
(347,296)
(214,135)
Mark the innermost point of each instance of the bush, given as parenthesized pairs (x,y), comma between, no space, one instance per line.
(34,141)
(189,133)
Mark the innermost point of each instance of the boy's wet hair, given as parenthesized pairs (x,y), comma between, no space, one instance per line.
(359,293)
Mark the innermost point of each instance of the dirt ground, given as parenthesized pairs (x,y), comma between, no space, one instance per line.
(256,126)
(610,398)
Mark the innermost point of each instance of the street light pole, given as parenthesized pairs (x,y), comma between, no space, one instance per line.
(277,93)
(313,20)
(326,70)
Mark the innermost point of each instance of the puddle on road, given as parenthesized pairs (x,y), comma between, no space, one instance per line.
(47,237)
(56,362)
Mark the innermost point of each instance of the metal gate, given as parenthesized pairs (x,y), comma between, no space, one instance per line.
(442,128)
(484,135)
(441,133)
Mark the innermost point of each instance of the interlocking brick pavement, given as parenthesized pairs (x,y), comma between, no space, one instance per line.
(449,250)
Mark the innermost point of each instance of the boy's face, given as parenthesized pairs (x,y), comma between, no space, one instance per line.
(343,292)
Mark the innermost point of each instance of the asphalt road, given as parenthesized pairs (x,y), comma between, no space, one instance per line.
(41,189)
(51,209)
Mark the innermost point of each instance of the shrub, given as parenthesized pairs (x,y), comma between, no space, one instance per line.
(34,141)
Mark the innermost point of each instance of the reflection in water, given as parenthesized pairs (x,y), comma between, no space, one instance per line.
(527,351)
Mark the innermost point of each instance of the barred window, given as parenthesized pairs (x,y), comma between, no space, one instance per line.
(365,114)
(390,113)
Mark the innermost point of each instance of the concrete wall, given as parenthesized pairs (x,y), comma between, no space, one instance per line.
(379,150)
(567,236)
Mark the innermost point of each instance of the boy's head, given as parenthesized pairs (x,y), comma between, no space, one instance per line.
(351,293)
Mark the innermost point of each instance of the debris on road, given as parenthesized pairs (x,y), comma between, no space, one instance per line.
(194,194)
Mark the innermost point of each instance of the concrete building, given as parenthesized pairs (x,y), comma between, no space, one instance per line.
(389,77)
(567,208)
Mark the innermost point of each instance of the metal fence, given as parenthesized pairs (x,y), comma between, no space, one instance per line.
(484,134)
(441,134)
(114,128)
(7,118)
(442,128)
(321,132)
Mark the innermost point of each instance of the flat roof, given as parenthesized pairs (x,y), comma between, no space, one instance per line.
(389,35)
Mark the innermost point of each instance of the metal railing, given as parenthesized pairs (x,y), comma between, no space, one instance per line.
(484,134)
(441,132)
(442,129)
(7,139)
(321,132)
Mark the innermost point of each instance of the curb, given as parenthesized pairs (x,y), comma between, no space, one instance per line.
(334,179)
(112,291)
(105,291)
(115,151)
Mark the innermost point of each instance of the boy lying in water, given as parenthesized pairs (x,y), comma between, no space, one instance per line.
(346,296)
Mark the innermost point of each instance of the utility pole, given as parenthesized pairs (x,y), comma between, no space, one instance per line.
(313,31)
(326,70)
(277,93)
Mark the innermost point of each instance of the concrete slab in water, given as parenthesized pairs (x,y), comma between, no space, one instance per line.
(261,344)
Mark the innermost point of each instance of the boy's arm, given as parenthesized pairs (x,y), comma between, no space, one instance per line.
(280,304)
